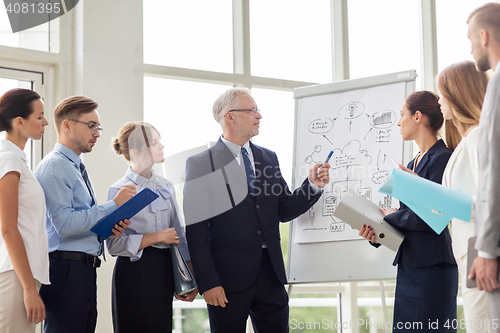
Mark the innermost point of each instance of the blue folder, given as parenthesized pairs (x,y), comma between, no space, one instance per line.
(433,202)
(133,206)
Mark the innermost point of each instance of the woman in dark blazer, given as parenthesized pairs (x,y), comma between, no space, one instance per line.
(427,279)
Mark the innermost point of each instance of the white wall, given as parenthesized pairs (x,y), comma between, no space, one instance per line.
(108,67)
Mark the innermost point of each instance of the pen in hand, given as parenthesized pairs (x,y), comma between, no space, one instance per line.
(322,166)
(328,158)
(326,161)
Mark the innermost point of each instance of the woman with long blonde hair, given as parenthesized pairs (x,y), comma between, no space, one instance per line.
(462,90)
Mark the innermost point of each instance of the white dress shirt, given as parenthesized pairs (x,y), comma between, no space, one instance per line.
(236,150)
(461,174)
(31,213)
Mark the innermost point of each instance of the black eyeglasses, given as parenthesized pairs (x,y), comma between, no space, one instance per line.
(254,111)
(93,127)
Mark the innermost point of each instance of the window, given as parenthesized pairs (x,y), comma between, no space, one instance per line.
(44,37)
(182,112)
(291,40)
(182,34)
(277,126)
(453,44)
(383,37)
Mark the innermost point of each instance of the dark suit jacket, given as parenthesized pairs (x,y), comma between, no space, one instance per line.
(422,246)
(226,245)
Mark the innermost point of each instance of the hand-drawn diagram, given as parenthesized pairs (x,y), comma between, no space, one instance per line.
(334,193)
(385,202)
(351,154)
(383,119)
(361,131)
(352,110)
(380,176)
(321,126)
(382,136)
(310,158)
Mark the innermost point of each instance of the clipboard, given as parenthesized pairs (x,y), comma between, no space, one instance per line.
(471,255)
(357,211)
(131,207)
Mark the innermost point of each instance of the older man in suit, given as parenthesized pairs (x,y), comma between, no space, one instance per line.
(234,199)
(484,34)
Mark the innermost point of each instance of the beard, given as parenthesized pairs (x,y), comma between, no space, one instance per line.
(244,132)
(84,148)
(482,63)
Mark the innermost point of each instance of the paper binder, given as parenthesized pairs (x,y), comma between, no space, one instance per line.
(357,211)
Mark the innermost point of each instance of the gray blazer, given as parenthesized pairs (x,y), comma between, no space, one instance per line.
(488,192)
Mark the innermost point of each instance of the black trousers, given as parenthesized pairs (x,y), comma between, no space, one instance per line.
(71,297)
(142,293)
(266,301)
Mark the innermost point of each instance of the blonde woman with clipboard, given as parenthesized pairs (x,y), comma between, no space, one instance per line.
(462,90)
(143,278)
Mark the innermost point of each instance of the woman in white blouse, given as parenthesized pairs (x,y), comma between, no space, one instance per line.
(462,90)
(143,283)
(24,261)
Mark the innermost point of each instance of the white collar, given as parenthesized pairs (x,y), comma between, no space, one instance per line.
(234,148)
(7,145)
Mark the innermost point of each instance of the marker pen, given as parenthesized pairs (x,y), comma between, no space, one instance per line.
(328,158)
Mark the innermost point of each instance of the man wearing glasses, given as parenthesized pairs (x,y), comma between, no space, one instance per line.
(70,300)
(234,200)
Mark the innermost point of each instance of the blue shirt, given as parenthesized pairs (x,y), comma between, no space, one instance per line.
(69,213)
(161,214)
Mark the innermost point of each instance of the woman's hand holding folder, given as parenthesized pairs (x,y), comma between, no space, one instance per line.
(367,233)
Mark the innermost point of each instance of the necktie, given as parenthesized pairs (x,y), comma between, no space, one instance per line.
(248,170)
(87,182)
(91,192)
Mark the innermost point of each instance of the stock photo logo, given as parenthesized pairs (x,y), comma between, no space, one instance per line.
(26,14)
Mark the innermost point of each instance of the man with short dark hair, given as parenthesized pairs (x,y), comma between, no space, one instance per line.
(484,35)
(71,298)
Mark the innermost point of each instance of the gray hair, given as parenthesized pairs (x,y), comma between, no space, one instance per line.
(227,100)
(487,17)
